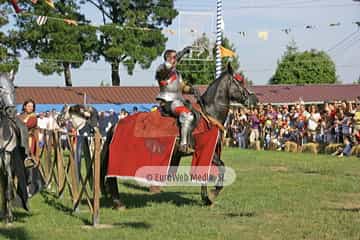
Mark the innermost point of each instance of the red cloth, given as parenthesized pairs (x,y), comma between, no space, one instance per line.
(148,139)
(30,121)
(15,6)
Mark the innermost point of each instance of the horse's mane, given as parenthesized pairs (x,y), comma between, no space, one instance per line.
(214,84)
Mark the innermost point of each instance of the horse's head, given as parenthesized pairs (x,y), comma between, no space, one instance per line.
(7,94)
(63,116)
(238,93)
(79,115)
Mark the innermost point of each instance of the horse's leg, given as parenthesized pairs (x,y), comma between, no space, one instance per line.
(204,195)
(209,198)
(174,164)
(109,185)
(220,181)
(112,188)
(2,192)
(9,189)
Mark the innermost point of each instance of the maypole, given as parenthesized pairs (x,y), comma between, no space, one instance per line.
(219,24)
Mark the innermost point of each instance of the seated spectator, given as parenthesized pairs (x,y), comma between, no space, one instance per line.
(346,151)
(356,120)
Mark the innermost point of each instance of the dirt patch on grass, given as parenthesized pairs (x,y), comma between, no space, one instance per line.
(271,216)
(348,202)
(278,168)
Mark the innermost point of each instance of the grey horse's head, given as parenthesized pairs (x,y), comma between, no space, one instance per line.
(7,91)
(238,93)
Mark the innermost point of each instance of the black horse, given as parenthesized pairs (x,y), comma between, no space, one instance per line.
(216,102)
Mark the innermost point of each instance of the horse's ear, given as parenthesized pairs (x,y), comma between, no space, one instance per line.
(66,106)
(230,69)
(12,75)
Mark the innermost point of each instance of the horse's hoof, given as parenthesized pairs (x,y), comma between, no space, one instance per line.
(207,201)
(154,189)
(9,220)
(213,195)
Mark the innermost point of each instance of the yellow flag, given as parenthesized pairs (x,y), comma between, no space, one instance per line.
(172,32)
(263,35)
(50,3)
(226,52)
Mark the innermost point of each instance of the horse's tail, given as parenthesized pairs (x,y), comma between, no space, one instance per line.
(104,158)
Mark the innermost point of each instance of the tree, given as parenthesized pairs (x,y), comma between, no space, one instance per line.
(309,67)
(199,68)
(131,33)
(8,50)
(60,45)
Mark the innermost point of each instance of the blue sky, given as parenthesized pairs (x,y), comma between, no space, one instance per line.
(258,58)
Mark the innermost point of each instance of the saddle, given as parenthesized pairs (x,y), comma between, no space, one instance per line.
(156,124)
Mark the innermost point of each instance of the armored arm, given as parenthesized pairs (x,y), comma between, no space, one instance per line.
(181,53)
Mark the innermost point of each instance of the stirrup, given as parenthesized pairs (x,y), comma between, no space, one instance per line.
(186,149)
(29,162)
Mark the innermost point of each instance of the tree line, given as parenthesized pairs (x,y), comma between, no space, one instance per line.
(130,34)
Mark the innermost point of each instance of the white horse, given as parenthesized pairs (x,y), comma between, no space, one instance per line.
(81,116)
(8,143)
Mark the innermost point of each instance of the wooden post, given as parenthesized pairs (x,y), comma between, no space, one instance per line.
(96,183)
(73,174)
(59,164)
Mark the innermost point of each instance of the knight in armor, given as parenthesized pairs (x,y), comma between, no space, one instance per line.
(9,106)
(171,100)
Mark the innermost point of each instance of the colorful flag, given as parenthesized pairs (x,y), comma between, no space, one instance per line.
(263,35)
(41,20)
(226,52)
(70,22)
(50,3)
(15,6)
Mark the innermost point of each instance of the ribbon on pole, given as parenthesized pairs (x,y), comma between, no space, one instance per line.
(219,30)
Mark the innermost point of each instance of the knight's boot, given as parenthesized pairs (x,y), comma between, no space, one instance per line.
(186,123)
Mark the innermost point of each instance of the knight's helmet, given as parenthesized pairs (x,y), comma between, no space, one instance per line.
(7,92)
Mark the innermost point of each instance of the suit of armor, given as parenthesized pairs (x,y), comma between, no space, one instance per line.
(171,89)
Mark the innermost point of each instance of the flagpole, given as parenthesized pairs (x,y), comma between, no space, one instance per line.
(219,22)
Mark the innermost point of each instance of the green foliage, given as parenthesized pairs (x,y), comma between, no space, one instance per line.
(199,68)
(309,67)
(131,33)
(60,46)
(8,50)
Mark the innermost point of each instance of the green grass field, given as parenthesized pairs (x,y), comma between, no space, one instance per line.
(276,196)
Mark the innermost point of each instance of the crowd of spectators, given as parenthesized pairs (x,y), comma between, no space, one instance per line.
(262,127)
(271,126)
